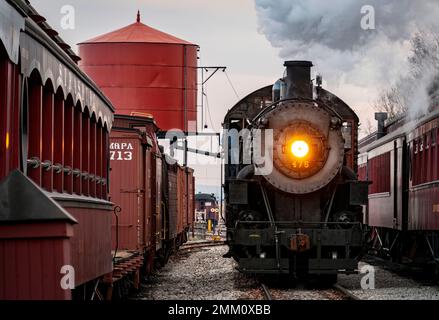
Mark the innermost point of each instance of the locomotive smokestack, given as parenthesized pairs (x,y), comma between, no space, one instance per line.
(298,80)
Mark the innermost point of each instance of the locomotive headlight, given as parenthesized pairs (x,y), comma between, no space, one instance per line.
(299,148)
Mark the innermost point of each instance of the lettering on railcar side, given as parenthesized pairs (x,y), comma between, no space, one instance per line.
(121,151)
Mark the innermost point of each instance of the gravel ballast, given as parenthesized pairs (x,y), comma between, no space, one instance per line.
(203,274)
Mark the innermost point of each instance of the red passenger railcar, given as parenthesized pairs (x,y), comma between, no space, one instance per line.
(54,128)
(402,163)
(423,176)
(58,231)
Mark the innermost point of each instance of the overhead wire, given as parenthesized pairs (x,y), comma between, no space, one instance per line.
(208,111)
(231,84)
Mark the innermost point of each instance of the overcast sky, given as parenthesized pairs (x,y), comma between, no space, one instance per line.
(253,38)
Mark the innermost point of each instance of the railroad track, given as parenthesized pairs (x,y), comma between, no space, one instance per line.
(199,245)
(266,292)
(337,292)
(346,292)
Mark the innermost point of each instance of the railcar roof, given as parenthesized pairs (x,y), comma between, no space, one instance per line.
(21,200)
(401,131)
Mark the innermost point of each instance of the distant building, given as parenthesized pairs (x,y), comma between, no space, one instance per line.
(206,207)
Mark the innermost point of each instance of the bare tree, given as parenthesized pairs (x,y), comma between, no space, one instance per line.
(423,60)
(367,128)
(424,52)
(391,101)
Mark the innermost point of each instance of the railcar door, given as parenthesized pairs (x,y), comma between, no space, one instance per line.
(127,190)
(149,180)
(159,224)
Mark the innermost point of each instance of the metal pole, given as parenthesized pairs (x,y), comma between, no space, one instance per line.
(185,88)
(185,106)
(202,99)
(221,190)
(185,151)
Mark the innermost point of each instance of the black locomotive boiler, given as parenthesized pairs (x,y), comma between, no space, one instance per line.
(303,214)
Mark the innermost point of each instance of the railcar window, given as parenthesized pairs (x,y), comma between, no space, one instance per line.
(85,152)
(105,163)
(347,134)
(379,173)
(436,154)
(24,127)
(3,113)
(93,182)
(432,157)
(77,150)
(427,140)
(58,153)
(47,132)
(410,159)
(100,159)
(35,127)
(68,145)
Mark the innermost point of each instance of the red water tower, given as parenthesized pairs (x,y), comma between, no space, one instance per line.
(145,71)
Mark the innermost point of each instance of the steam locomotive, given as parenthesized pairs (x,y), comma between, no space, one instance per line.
(298,211)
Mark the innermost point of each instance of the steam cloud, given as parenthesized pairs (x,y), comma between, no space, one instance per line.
(330,34)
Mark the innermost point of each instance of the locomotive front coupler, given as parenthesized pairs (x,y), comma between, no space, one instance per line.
(300,242)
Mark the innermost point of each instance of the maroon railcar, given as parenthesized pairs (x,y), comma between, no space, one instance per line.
(176,206)
(171,198)
(151,189)
(423,176)
(133,160)
(35,241)
(182,197)
(190,196)
(403,201)
(54,128)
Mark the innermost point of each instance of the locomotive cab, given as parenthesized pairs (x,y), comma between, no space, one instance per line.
(298,210)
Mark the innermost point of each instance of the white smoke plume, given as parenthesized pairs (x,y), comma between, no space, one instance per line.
(352,60)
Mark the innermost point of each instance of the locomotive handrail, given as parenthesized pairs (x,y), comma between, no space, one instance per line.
(271,106)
